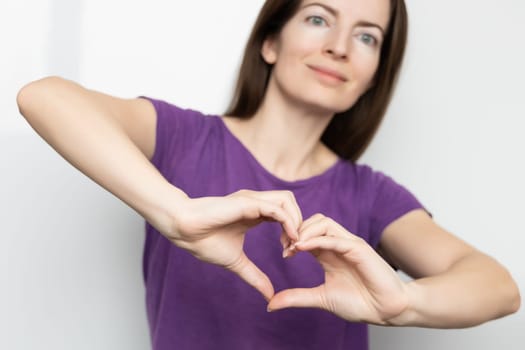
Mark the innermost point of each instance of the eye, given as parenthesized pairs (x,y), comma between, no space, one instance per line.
(368,39)
(316,20)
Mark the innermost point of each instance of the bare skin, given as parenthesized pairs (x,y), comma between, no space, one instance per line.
(112,140)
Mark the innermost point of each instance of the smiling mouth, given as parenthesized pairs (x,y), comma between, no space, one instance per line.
(328,73)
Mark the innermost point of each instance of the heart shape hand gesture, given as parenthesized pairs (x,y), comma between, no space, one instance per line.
(359,284)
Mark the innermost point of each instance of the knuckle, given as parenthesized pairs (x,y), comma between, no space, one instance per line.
(274,211)
(326,221)
(285,196)
(360,241)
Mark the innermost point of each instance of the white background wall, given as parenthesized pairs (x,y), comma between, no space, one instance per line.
(71,252)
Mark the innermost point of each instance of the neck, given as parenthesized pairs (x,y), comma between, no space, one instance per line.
(285,137)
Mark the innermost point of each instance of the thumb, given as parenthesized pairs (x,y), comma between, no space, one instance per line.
(298,297)
(252,275)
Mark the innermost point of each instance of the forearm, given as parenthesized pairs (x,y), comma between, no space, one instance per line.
(80,128)
(474,290)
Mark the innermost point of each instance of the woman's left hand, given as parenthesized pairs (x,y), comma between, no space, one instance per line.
(359,284)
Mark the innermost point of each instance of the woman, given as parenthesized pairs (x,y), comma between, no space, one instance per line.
(233,190)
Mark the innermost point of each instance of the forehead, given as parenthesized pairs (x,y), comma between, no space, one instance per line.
(377,11)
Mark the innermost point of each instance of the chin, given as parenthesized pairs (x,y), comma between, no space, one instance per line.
(327,104)
(316,97)
(328,99)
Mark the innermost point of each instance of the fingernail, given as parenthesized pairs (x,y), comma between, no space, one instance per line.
(268,309)
(286,253)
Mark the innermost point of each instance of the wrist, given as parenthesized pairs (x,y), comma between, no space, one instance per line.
(169,205)
(408,317)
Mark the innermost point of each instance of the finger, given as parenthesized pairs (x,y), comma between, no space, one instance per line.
(299,297)
(336,244)
(357,253)
(324,226)
(285,199)
(285,240)
(285,243)
(255,209)
(306,227)
(288,250)
(315,228)
(277,213)
(252,275)
(312,219)
(297,208)
(291,251)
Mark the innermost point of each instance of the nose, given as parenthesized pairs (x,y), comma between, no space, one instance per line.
(338,45)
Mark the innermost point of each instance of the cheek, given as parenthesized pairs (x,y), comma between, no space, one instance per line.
(299,50)
(364,68)
(290,63)
(299,43)
(301,36)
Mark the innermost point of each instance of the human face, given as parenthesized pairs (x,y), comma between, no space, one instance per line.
(326,55)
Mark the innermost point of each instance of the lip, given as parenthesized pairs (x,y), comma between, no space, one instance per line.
(330,72)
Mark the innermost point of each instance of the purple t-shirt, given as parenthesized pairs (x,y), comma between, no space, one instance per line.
(195,305)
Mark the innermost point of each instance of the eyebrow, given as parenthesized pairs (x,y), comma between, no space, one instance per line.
(335,13)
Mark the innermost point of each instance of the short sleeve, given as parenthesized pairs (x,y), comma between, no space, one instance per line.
(176,129)
(390,201)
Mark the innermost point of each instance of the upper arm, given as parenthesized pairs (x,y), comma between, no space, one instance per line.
(418,246)
(137,117)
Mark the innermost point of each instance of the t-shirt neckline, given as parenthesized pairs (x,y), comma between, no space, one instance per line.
(273,178)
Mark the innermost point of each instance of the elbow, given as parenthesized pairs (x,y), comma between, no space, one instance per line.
(511,297)
(27,95)
(515,303)
(22,98)
(504,294)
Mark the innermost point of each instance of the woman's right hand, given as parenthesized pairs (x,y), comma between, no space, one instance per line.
(213,229)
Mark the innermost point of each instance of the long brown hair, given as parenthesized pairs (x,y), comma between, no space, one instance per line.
(350,132)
